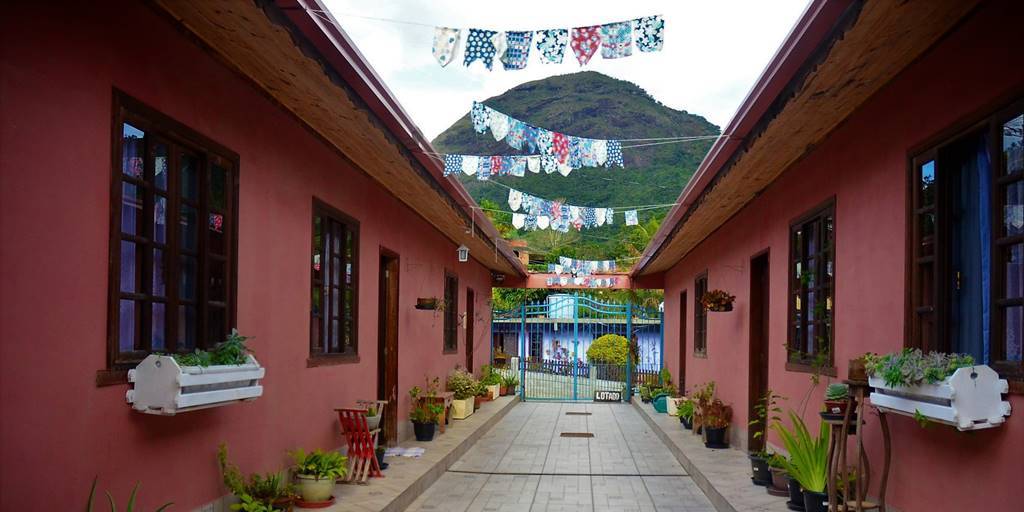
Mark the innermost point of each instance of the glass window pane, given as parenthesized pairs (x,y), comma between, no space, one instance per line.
(189,177)
(1014,331)
(131,266)
(926,286)
(335,271)
(160,166)
(188,328)
(158,321)
(187,286)
(160,219)
(1013,145)
(159,282)
(219,187)
(1013,208)
(218,281)
(334,335)
(133,151)
(927,184)
(215,238)
(131,209)
(348,318)
(130,317)
(1014,277)
(335,302)
(216,328)
(189,217)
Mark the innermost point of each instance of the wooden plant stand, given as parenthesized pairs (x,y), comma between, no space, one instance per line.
(838,441)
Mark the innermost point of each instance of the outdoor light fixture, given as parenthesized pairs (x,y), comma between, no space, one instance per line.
(463,254)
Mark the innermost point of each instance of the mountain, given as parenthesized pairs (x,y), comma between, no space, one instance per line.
(590,104)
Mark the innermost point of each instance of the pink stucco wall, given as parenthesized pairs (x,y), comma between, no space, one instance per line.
(58,66)
(863,165)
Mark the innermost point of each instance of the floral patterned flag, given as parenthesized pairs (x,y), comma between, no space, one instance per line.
(446,43)
(585,42)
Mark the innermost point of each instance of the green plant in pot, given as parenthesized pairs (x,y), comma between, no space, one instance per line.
(465,388)
(269,492)
(808,460)
(491,380)
(779,477)
(316,472)
(836,399)
(686,413)
(765,411)
(509,384)
(716,417)
(425,411)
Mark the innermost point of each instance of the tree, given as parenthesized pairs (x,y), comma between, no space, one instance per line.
(608,349)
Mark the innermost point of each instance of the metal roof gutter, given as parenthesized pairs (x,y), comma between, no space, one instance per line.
(813,27)
(322,30)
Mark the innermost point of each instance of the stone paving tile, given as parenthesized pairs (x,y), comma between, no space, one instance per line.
(524,464)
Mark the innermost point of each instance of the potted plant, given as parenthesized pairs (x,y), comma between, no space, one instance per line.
(716,419)
(857,371)
(464,387)
(765,410)
(373,413)
(779,478)
(717,300)
(942,388)
(808,460)
(425,412)
(482,395)
(702,400)
(645,394)
(268,492)
(171,384)
(836,399)
(427,303)
(685,410)
(492,380)
(509,384)
(315,474)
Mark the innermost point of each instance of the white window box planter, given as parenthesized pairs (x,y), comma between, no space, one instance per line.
(160,386)
(970,399)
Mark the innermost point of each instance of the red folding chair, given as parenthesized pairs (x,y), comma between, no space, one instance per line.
(362,461)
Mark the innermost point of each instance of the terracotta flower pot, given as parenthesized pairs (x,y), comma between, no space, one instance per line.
(837,407)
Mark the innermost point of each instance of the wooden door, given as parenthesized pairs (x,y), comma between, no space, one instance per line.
(681,378)
(470,311)
(758,362)
(387,343)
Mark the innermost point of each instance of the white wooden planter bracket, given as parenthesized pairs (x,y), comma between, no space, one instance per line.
(970,399)
(160,386)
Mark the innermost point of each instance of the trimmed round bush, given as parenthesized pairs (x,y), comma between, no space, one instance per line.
(608,349)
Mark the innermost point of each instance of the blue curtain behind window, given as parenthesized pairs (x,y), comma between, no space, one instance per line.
(972,231)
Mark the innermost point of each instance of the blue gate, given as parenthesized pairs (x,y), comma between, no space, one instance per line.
(545,344)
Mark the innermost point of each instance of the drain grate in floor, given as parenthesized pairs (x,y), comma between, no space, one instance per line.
(571,413)
(577,434)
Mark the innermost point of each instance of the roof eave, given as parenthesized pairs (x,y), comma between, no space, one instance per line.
(810,30)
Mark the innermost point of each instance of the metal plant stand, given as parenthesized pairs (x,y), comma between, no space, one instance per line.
(852,423)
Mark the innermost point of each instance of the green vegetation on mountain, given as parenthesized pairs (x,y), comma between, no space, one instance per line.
(589,104)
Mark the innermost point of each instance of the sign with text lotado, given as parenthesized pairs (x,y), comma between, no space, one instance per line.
(607,396)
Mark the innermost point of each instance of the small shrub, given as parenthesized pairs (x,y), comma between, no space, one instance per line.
(462,384)
(609,349)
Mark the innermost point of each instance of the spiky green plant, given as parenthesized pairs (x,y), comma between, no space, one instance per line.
(808,456)
(130,507)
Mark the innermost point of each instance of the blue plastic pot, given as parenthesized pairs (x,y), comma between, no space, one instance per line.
(661,402)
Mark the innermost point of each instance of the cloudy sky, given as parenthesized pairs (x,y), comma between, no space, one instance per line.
(714,49)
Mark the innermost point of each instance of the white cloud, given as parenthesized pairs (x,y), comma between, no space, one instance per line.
(714,50)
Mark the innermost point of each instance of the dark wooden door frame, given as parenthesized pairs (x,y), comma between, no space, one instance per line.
(681,378)
(759,305)
(387,341)
(470,313)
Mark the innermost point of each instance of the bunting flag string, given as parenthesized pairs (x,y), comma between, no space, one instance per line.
(583,281)
(539,213)
(512,47)
(580,267)
(557,151)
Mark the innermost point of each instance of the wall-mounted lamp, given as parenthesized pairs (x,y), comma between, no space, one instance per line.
(463,254)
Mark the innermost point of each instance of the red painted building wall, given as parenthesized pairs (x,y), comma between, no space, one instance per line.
(863,165)
(59,63)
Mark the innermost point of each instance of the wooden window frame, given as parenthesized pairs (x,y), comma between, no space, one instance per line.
(802,363)
(178,138)
(700,316)
(349,226)
(990,122)
(450,334)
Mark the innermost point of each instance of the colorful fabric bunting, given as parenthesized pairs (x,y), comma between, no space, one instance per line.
(585,42)
(499,125)
(446,43)
(481,116)
(518,220)
(515,199)
(480,45)
(551,45)
(617,40)
(452,164)
(649,33)
(470,164)
(614,154)
(518,49)
(631,218)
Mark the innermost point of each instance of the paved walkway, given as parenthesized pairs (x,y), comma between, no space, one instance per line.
(524,464)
